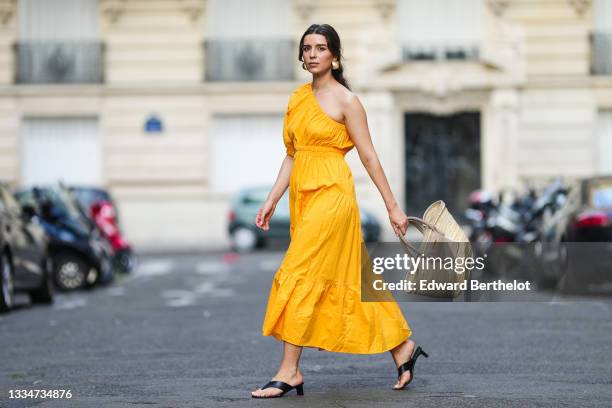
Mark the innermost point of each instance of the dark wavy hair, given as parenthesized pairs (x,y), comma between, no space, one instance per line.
(333,43)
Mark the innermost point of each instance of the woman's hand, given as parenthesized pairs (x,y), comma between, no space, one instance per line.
(399,220)
(262,220)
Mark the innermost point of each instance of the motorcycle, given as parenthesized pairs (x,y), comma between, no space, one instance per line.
(104,216)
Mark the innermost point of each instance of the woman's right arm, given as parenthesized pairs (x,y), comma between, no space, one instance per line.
(262,220)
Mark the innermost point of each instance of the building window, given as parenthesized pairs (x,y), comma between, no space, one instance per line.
(59,42)
(249,41)
(55,149)
(440,29)
(604,142)
(237,144)
(601,38)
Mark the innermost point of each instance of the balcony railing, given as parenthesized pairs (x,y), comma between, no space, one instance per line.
(601,53)
(412,52)
(46,62)
(250,59)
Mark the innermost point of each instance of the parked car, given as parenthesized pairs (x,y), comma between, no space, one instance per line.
(98,205)
(585,217)
(587,213)
(244,234)
(81,256)
(89,195)
(24,257)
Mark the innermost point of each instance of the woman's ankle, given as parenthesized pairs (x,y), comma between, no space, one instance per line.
(289,371)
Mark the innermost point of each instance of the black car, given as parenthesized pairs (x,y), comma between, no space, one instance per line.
(81,256)
(24,262)
(245,235)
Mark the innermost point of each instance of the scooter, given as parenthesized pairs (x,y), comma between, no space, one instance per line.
(104,216)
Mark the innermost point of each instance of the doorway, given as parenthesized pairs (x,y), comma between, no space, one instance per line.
(442,160)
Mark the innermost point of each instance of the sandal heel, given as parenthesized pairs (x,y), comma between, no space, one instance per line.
(300,389)
(418,352)
(409,366)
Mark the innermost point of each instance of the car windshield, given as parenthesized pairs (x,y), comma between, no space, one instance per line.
(70,202)
(88,196)
(601,195)
(58,198)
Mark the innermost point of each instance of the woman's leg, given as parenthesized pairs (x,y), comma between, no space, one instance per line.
(288,371)
(402,353)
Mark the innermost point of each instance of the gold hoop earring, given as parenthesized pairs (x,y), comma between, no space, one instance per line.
(335,64)
(304,66)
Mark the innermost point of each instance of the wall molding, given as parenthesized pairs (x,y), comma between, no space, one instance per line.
(498,7)
(304,8)
(8,8)
(580,6)
(112,9)
(193,8)
(386,8)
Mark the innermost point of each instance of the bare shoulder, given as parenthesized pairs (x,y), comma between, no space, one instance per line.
(349,101)
(344,95)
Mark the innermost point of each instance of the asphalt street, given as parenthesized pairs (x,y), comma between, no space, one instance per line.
(185,331)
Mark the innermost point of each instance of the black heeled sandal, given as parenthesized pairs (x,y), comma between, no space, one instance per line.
(409,366)
(283,386)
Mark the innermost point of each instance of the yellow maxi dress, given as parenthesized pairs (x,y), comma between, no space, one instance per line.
(315,298)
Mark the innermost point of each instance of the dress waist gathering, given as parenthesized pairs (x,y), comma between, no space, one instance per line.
(320,149)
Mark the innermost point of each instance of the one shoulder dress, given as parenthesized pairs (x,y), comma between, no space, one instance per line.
(315,298)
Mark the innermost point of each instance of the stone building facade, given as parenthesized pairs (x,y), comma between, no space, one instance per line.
(175,104)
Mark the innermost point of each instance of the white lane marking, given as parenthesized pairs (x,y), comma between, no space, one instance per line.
(269,265)
(156,267)
(209,288)
(212,268)
(223,292)
(216,272)
(182,301)
(205,287)
(178,298)
(314,367)
(71,303)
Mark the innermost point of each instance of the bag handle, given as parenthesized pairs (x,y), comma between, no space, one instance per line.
(419,224)
(415,252)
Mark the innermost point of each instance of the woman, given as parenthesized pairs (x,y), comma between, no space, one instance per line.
(315,297)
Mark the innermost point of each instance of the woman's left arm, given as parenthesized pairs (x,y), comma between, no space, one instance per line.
(357,126)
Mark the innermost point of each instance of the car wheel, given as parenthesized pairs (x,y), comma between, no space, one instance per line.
(93,275)
(105,274)
(244,239)
(261,243)
(6,278)
(44,294)
(125,260)
(71,272)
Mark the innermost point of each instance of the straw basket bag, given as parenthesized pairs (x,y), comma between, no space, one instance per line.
(442,237)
